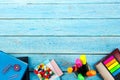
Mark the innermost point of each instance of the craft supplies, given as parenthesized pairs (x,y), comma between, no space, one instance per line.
(91,73)
(78,63)
(43,71)
(48,70)
(83,59)
(81,77)
(109,67)
(81,68)
(84,69)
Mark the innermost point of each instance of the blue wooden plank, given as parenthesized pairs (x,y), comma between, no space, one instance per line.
(60,11)
(58,1)
(60,27)
(59,44)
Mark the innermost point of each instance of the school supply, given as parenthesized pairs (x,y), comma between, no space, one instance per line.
(81,68)
(48,70)
(109,66)
(26,75)
(11,68)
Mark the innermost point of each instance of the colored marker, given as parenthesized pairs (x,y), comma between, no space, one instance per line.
(91,73)
(83,59)
(78,63)
(80,77)
(116,72)
(113,65)
(111,62)
(85,68)
(108,60)
(115,68)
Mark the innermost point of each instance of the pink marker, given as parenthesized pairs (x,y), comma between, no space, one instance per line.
(108,60)
(78,63)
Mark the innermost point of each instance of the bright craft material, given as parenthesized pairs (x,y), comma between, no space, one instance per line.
(50,70)
(91,73)
(81,68)
(81,77)
(83,59)
(78,63)
(43,72)
(109,67)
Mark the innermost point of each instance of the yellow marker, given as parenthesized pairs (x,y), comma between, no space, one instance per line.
(113,65)
(110,63)
(83,59)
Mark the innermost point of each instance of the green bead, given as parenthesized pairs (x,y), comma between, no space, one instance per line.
(43,79)
(47,72)
(80,77)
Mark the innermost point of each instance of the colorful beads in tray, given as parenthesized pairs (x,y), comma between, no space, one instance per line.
(43,72)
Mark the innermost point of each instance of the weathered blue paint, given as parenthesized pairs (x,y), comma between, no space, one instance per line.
(59,1)
(58,27)
(63,45)
(60,30)
(60,11)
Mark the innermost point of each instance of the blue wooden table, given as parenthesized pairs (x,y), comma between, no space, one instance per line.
(60,30)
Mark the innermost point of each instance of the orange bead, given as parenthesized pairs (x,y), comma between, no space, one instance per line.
(70,70)
(91,73)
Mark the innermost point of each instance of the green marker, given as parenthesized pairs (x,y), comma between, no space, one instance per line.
(115,68)
(80,77)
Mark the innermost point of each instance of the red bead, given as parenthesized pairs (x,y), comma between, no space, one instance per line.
(35,71)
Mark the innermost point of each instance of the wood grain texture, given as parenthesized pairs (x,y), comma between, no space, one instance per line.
(60,11)
(60,30)
(59,44)
(58,1)
(53,27)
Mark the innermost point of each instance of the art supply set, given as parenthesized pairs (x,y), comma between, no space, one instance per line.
(81,68)
(109,67)
(48,70)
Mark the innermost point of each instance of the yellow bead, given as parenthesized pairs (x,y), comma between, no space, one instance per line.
(39,75)
(38,67)
(70,70)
